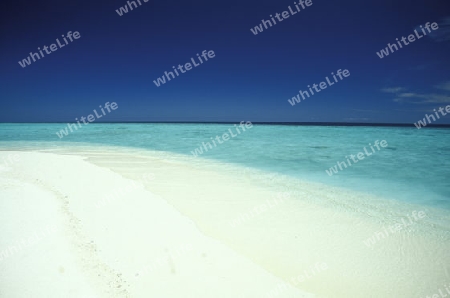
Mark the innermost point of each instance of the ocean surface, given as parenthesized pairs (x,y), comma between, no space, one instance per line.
(415,167)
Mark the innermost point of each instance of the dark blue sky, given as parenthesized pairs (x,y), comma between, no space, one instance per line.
(251,77)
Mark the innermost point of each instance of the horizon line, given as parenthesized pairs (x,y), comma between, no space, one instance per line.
(258,122)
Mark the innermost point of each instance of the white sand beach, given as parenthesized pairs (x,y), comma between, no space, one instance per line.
(138,247)
(182,228)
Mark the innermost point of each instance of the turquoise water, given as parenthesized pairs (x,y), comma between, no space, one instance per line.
(415,167)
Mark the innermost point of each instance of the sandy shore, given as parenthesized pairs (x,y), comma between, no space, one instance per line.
(138,247)
(134,224)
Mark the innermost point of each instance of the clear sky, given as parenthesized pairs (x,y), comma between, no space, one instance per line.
(251,77)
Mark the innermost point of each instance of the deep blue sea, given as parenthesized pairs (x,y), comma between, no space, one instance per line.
(415,167)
